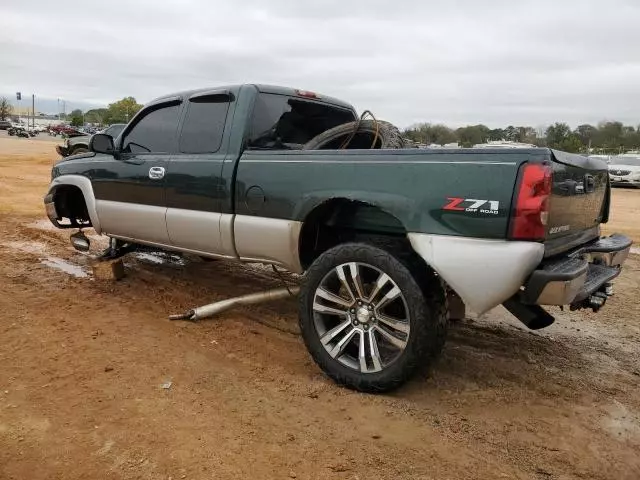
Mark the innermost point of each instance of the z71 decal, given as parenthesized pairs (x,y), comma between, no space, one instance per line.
(472,205)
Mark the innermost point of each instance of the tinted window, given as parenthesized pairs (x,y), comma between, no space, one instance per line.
(204,124)
(282,122)
(155,132)
(114,130)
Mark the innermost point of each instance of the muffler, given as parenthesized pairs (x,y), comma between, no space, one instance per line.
(80,241)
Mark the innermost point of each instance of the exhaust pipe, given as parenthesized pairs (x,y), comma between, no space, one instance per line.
(224,305)
(80,242)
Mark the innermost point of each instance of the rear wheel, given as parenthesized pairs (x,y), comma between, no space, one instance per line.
(369,319)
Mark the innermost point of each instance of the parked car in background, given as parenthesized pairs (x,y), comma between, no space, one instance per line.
(80,144)
(5,124)
(624,171)
(18,130)
(65,130)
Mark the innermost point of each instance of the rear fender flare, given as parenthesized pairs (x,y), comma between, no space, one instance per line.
(84,184)
(398,206)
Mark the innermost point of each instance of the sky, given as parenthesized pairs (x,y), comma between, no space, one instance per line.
(458,62)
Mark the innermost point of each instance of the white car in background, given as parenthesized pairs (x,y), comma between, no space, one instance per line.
(624,171)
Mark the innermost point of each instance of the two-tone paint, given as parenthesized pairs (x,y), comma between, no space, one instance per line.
(251,204)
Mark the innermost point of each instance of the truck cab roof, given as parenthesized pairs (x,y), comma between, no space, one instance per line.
(274,89)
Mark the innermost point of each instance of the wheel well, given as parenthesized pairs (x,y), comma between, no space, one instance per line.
(70,203)
(341,220)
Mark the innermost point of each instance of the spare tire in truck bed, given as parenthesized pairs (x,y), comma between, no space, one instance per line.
(333,139)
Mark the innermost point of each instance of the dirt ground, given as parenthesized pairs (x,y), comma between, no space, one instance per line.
(84,363)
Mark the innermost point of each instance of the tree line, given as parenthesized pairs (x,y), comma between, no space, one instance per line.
(606,137)
(118,112)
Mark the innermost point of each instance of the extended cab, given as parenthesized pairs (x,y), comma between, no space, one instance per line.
(387,239)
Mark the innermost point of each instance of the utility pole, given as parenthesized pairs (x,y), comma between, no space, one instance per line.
(33,110)
(19,98)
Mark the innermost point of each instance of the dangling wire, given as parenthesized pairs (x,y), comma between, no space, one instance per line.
(347,141)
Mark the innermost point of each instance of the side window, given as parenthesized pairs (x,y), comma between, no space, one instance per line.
(153,133)
(203,124)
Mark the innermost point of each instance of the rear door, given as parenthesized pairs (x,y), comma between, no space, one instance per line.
(196,188)
(578,201)
(130,188)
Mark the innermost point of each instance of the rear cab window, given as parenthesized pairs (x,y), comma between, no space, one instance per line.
(282,122)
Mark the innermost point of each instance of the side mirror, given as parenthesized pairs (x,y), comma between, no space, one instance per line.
(102,143)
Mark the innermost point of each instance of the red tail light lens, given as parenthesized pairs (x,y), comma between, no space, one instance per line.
(530,217)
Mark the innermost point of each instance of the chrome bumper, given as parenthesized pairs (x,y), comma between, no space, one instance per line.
(575,276)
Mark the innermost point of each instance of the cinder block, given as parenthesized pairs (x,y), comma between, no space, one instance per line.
(108,269)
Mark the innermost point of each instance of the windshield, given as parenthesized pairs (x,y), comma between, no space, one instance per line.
(633,161)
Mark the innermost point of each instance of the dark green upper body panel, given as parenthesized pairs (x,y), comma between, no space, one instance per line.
(465,192)
(412,185)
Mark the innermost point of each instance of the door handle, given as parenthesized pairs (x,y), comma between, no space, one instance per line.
(156,173)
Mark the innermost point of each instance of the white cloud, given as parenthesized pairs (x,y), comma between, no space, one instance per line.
(458,62)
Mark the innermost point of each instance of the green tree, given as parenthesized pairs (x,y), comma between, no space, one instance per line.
(556,134)
(587,133)
(572,144)
(77,119)
(496,134)
(122,111)
(472,134)
(511,133)
(560,136)
(428,133)
(610,135)
(95,115)
(5,108)
(526,134)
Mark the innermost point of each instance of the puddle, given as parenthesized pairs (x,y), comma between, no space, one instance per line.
(64,266)
(42,225)
(27,247)
(159,258)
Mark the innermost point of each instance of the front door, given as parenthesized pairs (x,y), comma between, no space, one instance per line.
(130,188)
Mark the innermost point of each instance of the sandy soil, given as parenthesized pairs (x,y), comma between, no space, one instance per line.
(84,363)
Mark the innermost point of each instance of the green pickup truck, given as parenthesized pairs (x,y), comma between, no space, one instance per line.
(388,238)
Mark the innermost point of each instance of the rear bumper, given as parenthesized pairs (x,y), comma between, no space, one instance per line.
(573,277)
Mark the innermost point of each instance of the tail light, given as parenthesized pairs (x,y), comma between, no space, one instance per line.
(307,94)
(531,212)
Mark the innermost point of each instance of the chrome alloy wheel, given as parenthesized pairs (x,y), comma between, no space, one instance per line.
(361,317)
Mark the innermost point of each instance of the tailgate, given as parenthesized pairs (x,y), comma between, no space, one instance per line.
(579,201)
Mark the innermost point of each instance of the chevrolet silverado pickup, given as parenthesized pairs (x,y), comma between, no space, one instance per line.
(386,238)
